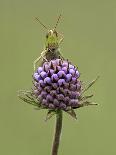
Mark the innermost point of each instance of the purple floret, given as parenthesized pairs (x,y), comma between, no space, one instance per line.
(47,80)
(68,77)
(54,77)
(40,69)
(41,82)
(43,74)
(65,69)
(36,76)
(49,98)
(51,106)
(77,74)
(72,72)
(61,74)
(44,102)
(56,102)
(71,66)
(60,97)
(43,94)
(61,82)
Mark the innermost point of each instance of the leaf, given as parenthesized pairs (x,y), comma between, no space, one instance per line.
(28,97)
(83,98)
(90,84)
(50,114)
(86,103)
(72,113)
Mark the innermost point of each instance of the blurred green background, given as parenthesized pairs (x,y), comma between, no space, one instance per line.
(89,28)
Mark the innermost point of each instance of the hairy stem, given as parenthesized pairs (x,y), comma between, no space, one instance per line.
(58,128)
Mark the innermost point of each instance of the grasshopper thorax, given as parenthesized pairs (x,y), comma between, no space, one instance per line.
(52,41)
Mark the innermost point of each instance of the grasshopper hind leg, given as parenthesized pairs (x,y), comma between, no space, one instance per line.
(39,58)
(35,62)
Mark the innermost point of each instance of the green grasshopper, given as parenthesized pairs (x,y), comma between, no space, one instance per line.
(53,40)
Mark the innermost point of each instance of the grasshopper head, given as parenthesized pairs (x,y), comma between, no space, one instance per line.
(52,39)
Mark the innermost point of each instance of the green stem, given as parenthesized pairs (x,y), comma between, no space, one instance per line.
(57,133)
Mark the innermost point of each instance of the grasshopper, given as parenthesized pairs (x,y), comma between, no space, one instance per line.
(52,42)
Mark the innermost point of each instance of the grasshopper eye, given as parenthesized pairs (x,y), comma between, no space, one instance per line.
(55,33)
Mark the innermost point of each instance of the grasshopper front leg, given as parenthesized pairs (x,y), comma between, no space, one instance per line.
(61,39)
(38,59)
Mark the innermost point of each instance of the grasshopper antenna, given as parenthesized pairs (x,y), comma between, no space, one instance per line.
(59,17)
(37,19)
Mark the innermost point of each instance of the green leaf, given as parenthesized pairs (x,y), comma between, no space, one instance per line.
(86,103)
(50,114)
(83,98)
(72,113)
(90,85)
(28,97)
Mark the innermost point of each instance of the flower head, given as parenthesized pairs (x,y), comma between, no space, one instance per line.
(57,85)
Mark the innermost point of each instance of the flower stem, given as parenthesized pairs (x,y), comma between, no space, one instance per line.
(57,133)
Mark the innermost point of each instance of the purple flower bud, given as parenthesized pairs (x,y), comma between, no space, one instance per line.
(44,102)
(62,105)
(52,64)
(54,77)
(36,76)
(51,106)
(61,90)
(61,74)
(47,80)
(57,61)
(73,95)
(66,85)
(56,102)
(65,69)
(65,64)
(36,92)
(46,67)
(39,98)
(77,94)
(61,82)
(77,74)
(74,80)
(54,85)
(43,94)
(49,98)
(41,82)
(39,89)
(73,87)
(53,93)
(40,69)
(66,92)
(51,71)
(67,99)
(60,97)
(43,74)
(71,66)
(48,88)
(36,83)
(74,102)
(58,90)
(72,71)
(78,86)
(68,77)
(58,68)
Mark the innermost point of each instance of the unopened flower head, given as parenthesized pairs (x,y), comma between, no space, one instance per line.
(56,85)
